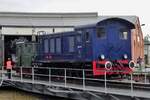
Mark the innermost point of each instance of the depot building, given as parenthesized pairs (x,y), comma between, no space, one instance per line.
(15,26)
(31,23)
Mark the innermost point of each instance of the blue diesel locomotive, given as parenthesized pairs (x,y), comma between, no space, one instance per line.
(104,45)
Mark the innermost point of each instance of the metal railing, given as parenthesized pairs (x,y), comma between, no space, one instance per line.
(69,78)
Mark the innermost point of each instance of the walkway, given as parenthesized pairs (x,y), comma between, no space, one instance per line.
(33,76)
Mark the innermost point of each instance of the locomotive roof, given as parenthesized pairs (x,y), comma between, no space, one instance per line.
(58,33)
(130,19)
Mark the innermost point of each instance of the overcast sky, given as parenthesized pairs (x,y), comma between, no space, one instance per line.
(103,7)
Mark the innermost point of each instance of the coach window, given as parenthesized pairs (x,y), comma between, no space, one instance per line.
(138,38)
(58,45)
(71,43)
(52,45)
(46,47)
(101,32)
(123,34)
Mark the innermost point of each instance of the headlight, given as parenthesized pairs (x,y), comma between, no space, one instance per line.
(125,56)
(102,57)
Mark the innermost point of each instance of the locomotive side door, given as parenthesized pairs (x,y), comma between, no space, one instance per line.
(79,44)
(87,44)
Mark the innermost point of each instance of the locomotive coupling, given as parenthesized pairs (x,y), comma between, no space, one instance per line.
(108,65)
(131,64)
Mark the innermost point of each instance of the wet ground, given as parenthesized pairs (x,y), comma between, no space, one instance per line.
(8,93)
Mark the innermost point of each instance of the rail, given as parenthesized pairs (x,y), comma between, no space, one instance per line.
(68,78)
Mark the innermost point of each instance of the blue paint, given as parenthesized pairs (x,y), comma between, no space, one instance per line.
(112,46)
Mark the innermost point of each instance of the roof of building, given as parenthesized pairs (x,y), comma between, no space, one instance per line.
(54,19)
(47,15)
(44,19)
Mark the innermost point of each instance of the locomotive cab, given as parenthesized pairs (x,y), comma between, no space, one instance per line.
(111,46)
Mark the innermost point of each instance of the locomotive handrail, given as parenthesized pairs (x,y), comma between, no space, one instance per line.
(68,69)
(53,68)
(36,67)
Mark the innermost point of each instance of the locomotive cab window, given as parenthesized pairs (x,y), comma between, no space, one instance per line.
(123,34)
(100,31)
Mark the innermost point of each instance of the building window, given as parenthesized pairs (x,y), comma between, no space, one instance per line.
(52,45)
(123,34)
(53,30)
(138,38)
(101,32)
(58,45)
(46,47)
(71,43)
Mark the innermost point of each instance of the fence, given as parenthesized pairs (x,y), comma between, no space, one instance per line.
(69,78)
